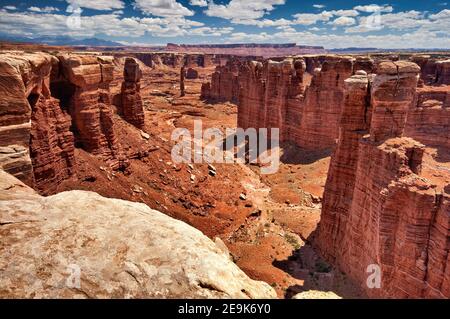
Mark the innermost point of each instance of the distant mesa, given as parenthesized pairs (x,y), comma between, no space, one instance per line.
(245,49)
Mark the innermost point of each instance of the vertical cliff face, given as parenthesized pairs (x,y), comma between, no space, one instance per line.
(251,95)
(182,77)
(36,144)
(443,72)
(225,83)
(429,117)
(323,104)
(427,68)
(89,103)
(132,108)
(284,83)
(393,91)
(269,94)
(363,64)
(273,95)
(377,208)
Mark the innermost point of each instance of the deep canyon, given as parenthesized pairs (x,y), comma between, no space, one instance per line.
(87,176)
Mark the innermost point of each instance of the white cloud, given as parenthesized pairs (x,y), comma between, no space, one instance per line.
(311,18)
(414,39)
(319,6)
(200,3)
(97,4)
(44,9)
(444,14)
(33,24)
(237,10)
(345,13)
(12,8)
(396,21)
(343,21)
(374,8)
(162,8)
(266,22)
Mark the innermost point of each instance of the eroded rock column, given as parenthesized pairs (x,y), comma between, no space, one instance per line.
(132,106)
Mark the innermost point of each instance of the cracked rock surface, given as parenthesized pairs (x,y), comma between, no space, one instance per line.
(121,249)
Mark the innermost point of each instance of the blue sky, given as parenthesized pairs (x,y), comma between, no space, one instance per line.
(332,24)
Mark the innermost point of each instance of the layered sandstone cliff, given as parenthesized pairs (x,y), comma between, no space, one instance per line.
(255,49)
(378,209)
(32,121)
(443,72)
(427,68)
(429,117)
(224,85)
(269,95)
(88,77)
(131,108)
(322,105)
(119,249)
(273,95)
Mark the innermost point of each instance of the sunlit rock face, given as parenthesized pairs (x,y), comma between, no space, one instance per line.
(36,144)
(119,249)
(89,77)
(378,211)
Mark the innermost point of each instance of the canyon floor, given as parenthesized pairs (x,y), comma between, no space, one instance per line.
(268,233)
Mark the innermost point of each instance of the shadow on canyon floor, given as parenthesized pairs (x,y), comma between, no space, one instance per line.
(293,154)
(308,266)
(442,155)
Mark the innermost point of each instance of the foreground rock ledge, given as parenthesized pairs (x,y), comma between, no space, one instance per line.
(123,249)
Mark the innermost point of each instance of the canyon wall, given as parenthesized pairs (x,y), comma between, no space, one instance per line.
(174,60)
(269,93)
(429,117)
(443,72)
(273,94)
(377,208)
(89,104)
(31,121)
(49,105)
(318,127)
(224,85)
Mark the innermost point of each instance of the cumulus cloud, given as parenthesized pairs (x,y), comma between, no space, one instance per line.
(374,8)
(237,10)
(369,25)
(310,18)
(343,21)
(105,5)
(199,3)
(345,13)
(34,24)
(162,8)
(318,6)
(413,39)
(44,9)
(396,21)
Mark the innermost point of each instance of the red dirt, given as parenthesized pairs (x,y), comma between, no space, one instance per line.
(263,244)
